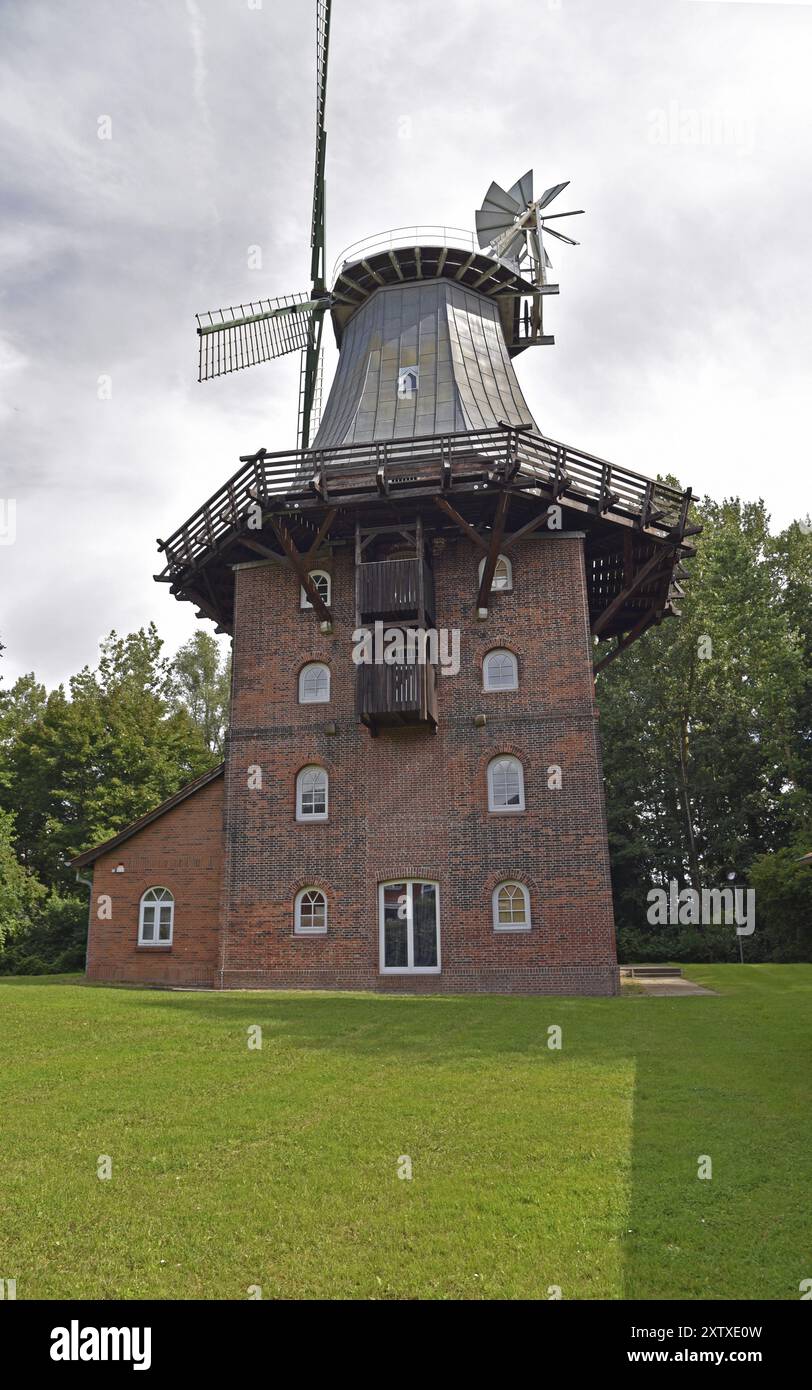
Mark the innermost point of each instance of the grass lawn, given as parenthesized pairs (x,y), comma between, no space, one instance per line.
(531,1167)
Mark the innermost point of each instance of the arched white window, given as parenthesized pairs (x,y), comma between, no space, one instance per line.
(156,918)
(310,917)
(311,794)
(321,579)
(500,670)
(502,575)
(314,684)
(511,907)
(505,785)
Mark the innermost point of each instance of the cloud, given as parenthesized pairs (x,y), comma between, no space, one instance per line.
(682,324)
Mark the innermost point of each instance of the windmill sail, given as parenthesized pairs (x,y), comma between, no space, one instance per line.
(310,384)
(245,334)
(311,361)
(317,224)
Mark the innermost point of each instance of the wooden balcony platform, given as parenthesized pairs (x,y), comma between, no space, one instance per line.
(395,589)
(396,695)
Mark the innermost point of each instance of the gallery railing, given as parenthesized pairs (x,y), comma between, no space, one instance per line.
(433,463)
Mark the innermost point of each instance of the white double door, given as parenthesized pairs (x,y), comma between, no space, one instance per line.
(409,924)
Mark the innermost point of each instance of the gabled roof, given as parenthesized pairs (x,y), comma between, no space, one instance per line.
(189,790)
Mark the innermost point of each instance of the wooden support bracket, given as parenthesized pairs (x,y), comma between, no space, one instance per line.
(322,532)
(494,550)
(526,530)
(648,618)
(652,564)
(460,521)
(297,564)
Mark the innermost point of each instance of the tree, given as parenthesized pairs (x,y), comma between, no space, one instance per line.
(699,719)
(203,687)
(20,707)
(783,889)
(791,559)
(20,892)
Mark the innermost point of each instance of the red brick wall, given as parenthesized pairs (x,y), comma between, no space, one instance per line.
(183,851)
(411,803)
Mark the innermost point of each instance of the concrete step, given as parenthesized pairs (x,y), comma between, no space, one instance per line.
(650,972)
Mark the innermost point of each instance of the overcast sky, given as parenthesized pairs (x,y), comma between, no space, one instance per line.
(683,339)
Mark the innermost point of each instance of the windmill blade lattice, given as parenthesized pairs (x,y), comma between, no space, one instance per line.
(246,334)
(323,8)
(311,367)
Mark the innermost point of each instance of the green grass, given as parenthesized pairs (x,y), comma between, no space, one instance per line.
(531,1167)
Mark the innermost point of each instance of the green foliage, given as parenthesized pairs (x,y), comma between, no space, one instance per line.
(20,892)
(203,687)
(783,889)
(52,940)
(707,725)
(678,944)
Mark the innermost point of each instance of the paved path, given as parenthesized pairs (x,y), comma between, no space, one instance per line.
(669,985)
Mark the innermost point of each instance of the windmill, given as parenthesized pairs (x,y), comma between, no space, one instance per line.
(246,334)
(513,224)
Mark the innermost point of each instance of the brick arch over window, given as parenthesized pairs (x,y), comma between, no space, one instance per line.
(301,881)
(314,758)
(422,872)
(326,658)
(512,873)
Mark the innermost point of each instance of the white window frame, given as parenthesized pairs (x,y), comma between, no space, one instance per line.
(305,699)
(304,601)
(301,814)
(486,680)
(527,924)
(297,915)
(505,810)
(156,903)
(505,588)
(409,884)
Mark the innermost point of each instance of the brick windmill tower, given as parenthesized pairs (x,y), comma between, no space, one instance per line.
(412,793)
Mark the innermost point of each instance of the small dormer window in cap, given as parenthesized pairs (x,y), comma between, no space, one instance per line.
(408,378)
